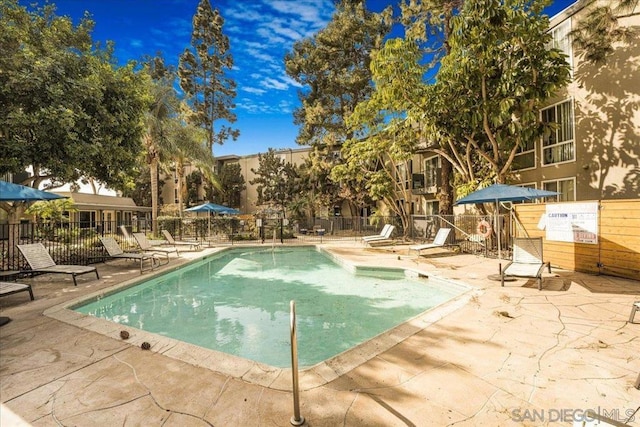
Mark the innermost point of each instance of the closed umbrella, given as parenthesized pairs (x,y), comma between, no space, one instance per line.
(497,193)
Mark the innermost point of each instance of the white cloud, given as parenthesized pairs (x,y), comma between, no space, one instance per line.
(259,54)
(290,81)
(271,83)
(254,90)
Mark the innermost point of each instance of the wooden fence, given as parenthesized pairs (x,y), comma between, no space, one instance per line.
(617,252)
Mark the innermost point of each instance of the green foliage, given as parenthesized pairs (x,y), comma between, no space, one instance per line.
(204,79)
(490,88)
(333,68)
(232,184)
(277,181)
(52,210)
(377,159)
(66,109)
(194,181)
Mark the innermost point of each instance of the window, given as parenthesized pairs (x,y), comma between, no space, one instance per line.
(561,40)
(525,157)
(418,181)
(403,174)
(558,145)
(431,171)
(566,188)
(87,219)
(431,208)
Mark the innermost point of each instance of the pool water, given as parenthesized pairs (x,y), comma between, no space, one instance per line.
(238,302)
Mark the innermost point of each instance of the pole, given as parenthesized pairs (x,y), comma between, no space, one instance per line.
(296,419)
(498,228)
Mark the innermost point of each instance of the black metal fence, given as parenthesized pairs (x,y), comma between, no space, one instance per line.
(78,243)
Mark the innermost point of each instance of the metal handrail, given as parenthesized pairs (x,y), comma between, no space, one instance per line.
(296,419)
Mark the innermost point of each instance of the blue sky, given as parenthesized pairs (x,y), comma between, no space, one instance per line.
(261,32)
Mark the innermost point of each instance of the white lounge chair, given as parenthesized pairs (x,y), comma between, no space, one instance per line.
(128,236)
(194,246)
(438,241)
(115,251)
(527,260)
(377,236)
(385,235)
(9,288)
(146,245)
(40,261)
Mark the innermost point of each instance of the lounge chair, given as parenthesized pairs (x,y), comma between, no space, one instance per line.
(40,261)
(438,241)
(115,251)
(527,260)
(8,288)
(128,236)
(382,239)
(146,246)
(382,234)
(194,246)
(634,309)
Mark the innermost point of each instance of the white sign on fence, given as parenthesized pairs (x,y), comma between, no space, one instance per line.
(572,222)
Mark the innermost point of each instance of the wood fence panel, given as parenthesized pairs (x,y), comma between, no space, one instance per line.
(617,252)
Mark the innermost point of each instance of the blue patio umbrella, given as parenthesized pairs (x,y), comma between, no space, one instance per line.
(10,192)
(497,193)
(504,193)
(213,207)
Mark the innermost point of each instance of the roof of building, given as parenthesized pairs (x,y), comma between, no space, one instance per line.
(97,201)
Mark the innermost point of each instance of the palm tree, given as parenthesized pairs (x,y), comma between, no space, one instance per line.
(157,137)
(190,147)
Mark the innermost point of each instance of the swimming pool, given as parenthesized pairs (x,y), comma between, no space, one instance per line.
(237,302)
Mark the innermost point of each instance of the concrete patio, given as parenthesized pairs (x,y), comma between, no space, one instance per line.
(495,356)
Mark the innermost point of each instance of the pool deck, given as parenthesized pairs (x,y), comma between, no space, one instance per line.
(495,356)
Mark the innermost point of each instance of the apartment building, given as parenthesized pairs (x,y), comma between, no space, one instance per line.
(595,152)
(249,196)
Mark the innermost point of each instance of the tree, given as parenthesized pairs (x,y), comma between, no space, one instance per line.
(52,211)
(428,23)
(378,157)
(194,181)
(190,147)
(203,76)
(168,138)
(232,184)
(333,67)
(140,191)
(157,139)
(277,181)
(485,104)
(65,109)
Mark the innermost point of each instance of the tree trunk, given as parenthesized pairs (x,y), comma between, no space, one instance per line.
(181,187)
(153,167)
(446,197)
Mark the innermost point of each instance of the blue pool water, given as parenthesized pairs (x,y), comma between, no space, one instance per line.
(238,302)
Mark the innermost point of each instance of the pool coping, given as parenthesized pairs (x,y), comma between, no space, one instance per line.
(248,370)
